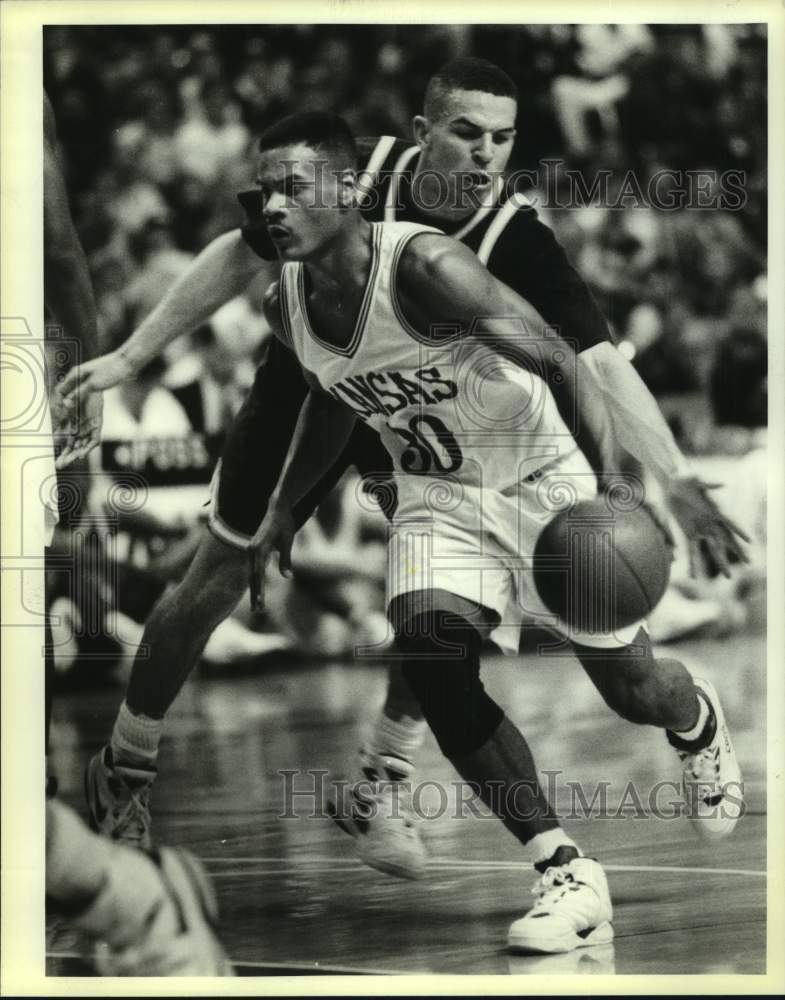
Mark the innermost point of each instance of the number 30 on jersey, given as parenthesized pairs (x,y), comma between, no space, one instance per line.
(431,448)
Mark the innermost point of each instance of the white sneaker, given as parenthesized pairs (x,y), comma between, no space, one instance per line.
(711,779)
(378,813)
(573,910)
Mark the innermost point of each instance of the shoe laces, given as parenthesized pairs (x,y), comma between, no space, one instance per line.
(704,768)
(376,787)
(132,819)
(703,765)
(554,884)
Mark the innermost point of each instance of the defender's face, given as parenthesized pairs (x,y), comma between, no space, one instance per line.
(302,197)
(470,144)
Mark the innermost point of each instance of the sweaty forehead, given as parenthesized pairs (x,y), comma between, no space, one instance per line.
(491,111)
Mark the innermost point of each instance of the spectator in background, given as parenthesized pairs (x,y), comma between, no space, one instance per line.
(600,60)
(212,136)
(134,199)
(739,392)
(738,395)
(265,84)
(335,599)
(213,398)
(159,264)
(151,135)
(143,408)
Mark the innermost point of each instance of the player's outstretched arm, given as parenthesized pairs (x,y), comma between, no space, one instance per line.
(322,432)
(642,431)
(220,272)
(441,284)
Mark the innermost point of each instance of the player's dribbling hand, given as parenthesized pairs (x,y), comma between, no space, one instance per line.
(276,533)
(713,539)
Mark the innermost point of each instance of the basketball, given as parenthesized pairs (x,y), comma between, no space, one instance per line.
(600,568)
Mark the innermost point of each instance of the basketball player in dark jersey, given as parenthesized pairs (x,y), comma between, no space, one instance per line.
(465,137)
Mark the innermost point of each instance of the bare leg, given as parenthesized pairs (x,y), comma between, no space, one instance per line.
(640,688)
(182,622)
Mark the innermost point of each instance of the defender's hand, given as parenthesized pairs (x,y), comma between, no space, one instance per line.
(711,537)
(79,430)
(95,376)
(79,407)
(276,533)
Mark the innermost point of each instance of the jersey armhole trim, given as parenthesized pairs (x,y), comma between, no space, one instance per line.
(369,176)
(481,212)
(399,314)
(506,214)
(283,299)
(403,161)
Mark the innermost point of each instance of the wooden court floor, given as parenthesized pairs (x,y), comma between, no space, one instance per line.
(294,898)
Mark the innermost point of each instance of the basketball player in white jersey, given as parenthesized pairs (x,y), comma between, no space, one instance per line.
(403,328)
(467,129)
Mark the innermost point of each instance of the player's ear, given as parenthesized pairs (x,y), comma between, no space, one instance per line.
(421,128)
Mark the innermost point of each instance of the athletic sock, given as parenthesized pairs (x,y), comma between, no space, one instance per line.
(552,848)
(397,737)
(702,733)
(135,738)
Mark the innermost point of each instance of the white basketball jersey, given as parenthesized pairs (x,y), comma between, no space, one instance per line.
(455,411)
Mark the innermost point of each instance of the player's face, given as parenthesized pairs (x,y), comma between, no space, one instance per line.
(469,145)
(302,197)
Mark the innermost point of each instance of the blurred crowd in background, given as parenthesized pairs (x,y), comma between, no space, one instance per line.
(157,128)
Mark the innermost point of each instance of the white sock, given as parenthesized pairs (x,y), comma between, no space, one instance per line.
(135,738)
(397,738)
(544,845)
(697,729)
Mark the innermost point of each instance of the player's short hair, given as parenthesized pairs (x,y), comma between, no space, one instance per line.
(321,130)
(466,73)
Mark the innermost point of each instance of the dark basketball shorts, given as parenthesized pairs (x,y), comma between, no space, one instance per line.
(254,454)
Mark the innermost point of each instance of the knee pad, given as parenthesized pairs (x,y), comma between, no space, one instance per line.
(440,659)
